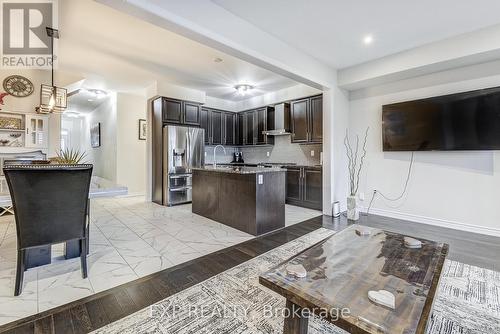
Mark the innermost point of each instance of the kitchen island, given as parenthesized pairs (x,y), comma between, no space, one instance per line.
(250,199)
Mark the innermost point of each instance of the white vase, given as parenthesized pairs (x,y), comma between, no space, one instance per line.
(352,208)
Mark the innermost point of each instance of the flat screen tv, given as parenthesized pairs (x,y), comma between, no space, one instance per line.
(457,122)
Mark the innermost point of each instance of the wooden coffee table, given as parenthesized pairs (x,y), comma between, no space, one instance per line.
(344,267)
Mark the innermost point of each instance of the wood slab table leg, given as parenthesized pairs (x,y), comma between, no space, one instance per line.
(294,323)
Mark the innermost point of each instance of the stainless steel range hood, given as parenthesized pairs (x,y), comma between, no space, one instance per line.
(281,121)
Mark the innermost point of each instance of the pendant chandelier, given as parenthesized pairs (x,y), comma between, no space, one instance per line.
(53,99)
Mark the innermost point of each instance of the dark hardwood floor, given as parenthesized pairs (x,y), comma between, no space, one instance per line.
(93,312)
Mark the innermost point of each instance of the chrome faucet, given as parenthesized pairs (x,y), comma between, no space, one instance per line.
(215,149)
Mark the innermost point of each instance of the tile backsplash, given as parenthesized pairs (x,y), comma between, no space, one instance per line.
(282,151)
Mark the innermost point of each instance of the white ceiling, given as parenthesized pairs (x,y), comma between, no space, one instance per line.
(332,30)
(82,101)
(126,53)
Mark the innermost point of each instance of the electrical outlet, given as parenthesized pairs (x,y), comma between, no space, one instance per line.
(267,154)
(361,196)
(312,153)
(261,179)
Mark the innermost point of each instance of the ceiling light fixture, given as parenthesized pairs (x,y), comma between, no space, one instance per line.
(96,93)
(368,39)
(52,98)
(243,89)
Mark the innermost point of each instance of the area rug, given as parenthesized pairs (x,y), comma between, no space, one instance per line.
(468,301)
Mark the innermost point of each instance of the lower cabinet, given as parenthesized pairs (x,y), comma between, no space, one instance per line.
(304,187)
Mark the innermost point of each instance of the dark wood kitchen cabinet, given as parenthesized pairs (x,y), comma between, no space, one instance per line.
(191,113)
(205,124)
(298,117)
(304,187)
(261,118)
(250,128)
(171,110)
(240,129)
(229,120)
(316,119)
(252,123)
(306,116)
(176,111)
(216,127)
(293,184)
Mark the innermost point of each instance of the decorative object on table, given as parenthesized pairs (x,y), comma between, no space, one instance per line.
(95,135)
(355,164)
(52,98)
(412,243)
(70,156)
(383,297)
(296,270)
(2,95)
(143,127)
(18,86)
(7,122)
(363,231)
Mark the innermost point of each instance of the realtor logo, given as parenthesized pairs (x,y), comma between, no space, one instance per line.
(25,43)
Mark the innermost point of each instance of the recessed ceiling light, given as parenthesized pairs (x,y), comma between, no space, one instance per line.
(218,60)
(368,39)
(242,89)
(90,100)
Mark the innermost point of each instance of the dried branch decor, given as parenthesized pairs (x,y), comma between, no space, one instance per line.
(355,161)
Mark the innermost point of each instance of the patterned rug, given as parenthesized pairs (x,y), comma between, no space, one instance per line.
(468,301)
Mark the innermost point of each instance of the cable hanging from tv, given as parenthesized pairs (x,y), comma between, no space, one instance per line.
(405,188)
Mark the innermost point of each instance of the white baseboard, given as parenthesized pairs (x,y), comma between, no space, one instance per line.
(435,221)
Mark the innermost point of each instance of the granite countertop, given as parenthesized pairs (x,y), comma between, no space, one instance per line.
(266,164)
(241,170)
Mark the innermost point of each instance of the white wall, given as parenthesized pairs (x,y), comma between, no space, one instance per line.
(76,127)
(131,152)
(103,157)
(455,189)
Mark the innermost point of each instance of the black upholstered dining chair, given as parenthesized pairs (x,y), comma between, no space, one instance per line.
(50,204)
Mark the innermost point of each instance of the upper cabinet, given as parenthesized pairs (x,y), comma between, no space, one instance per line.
(176,111)
(245,128)
(205,124)
(252,124)
(316,119)
(229,122)
(220,126)
(307,120)
(299,121)
(37,131)
(192,113)
(216,127)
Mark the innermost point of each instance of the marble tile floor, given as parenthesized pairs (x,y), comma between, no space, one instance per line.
(129,238)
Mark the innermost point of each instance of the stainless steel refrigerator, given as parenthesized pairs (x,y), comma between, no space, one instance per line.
(184,149)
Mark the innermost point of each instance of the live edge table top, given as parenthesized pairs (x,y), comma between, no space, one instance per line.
(344,267)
